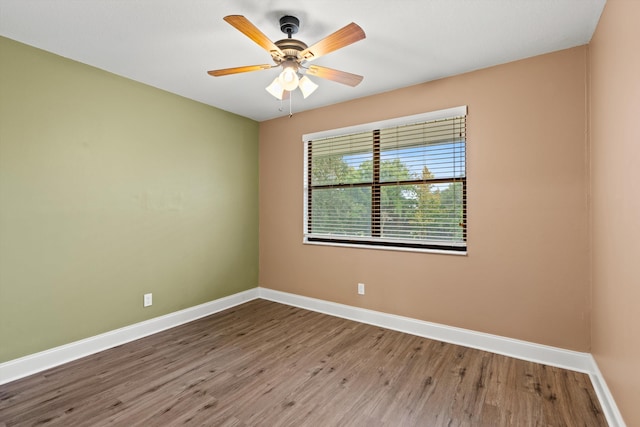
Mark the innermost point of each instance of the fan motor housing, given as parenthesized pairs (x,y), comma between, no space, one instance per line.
(286,44)
(291,47)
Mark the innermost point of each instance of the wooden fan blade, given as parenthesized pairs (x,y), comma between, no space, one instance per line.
(335,75)
(243,25)
(341,38)
(236,70)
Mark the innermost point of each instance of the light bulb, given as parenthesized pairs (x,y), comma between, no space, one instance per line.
(289,76)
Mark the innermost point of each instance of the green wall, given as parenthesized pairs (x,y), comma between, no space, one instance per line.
(110,189)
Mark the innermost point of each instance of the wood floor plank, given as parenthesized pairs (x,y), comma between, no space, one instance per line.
(268,364)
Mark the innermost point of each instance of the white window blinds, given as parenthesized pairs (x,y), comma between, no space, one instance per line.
(396,183)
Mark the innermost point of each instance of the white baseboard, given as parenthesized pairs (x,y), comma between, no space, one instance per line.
(37,362)
(552,356)
(608,404)
(538,353)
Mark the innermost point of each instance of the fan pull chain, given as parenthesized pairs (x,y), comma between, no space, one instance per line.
(290,108)
(290,98)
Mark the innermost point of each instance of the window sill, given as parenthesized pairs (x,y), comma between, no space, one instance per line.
(386,248)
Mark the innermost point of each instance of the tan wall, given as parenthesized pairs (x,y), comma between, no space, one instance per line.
(110,189)
(527,272)
(615,176)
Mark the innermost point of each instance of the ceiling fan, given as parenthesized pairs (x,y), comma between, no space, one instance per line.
(293,55)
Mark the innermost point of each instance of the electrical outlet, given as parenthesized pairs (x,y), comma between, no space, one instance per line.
(148,300)
(361,288)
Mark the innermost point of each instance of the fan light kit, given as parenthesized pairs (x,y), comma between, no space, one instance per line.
(292,55)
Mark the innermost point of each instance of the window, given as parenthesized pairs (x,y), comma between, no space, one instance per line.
(398,183)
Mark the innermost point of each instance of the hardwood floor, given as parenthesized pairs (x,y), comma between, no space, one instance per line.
(268,364)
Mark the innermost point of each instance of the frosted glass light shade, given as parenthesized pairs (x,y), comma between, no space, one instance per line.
(289,77)
(276,89)
(307,86)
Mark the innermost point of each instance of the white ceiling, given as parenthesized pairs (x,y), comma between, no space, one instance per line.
(170,44)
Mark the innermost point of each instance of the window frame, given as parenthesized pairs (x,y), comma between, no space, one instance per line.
(375,241)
